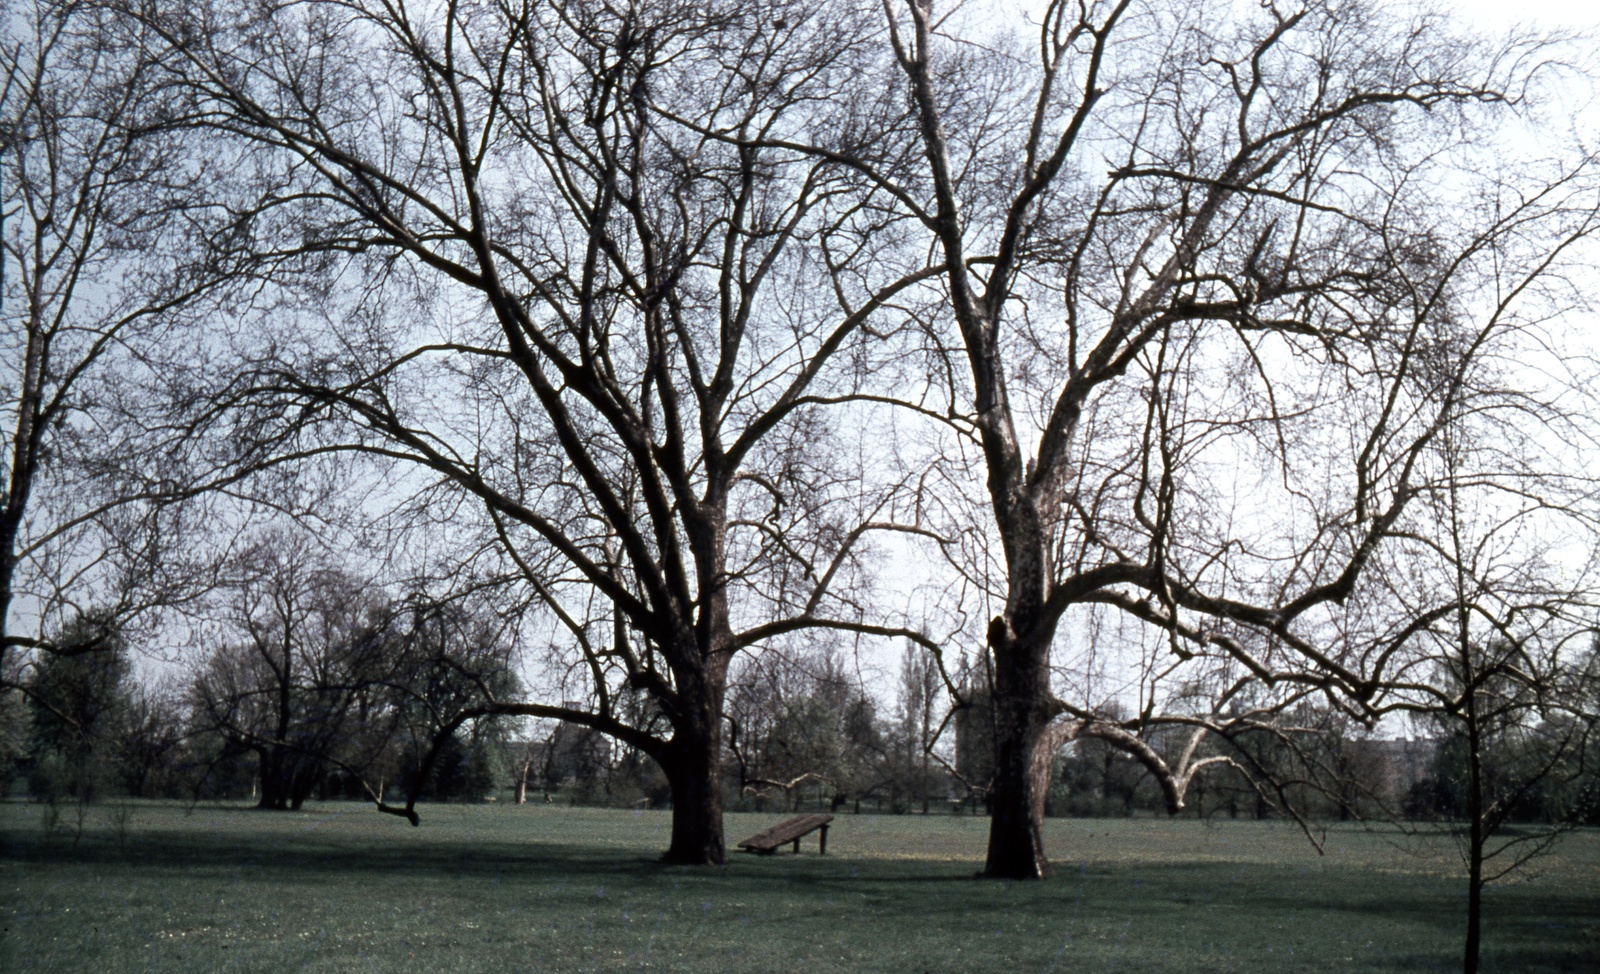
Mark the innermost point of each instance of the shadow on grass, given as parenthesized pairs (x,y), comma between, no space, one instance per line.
(1523,915)
(929,889)
(310,858)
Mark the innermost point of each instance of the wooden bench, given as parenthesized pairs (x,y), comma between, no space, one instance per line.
(793,830)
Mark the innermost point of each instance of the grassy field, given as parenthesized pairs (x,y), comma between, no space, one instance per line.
(550,888)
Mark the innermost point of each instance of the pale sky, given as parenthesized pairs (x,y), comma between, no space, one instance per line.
(1539,13)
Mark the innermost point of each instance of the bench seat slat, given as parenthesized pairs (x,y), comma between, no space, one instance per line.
(785,832)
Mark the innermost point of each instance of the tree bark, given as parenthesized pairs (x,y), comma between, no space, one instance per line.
(304,781)
(274,792)
(1469,961)
(1475,810)
(693,768)
(1022,714)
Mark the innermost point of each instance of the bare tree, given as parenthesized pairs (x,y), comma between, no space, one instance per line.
(1499,657)
(100,280)
(457,657)
(802,719)
(525,755)
(618,337)
(152,747)
(918,725)
(295,684)
(1208,271)
(80,712)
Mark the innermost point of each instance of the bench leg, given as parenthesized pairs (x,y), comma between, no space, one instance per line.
(824,840)
(797,847)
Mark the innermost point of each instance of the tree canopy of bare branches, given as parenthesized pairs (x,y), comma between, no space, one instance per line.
(1212,281)
(100,280)
(605,347)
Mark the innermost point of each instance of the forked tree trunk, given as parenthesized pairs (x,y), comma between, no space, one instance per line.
(692,762)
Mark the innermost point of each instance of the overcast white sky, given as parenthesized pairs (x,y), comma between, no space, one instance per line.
(1540,13)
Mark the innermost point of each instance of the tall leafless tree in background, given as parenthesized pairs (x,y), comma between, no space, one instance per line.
(623,336)
(98,215)
(1217,277)
(302,680)
(801,721)
(1499,656)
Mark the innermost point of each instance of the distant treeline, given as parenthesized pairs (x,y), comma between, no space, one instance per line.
(352,698)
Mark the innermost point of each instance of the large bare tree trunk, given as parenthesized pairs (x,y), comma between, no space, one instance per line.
(1022,717)
(274,780)
(692,765)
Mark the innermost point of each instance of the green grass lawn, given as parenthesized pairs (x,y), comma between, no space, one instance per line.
(551,888)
